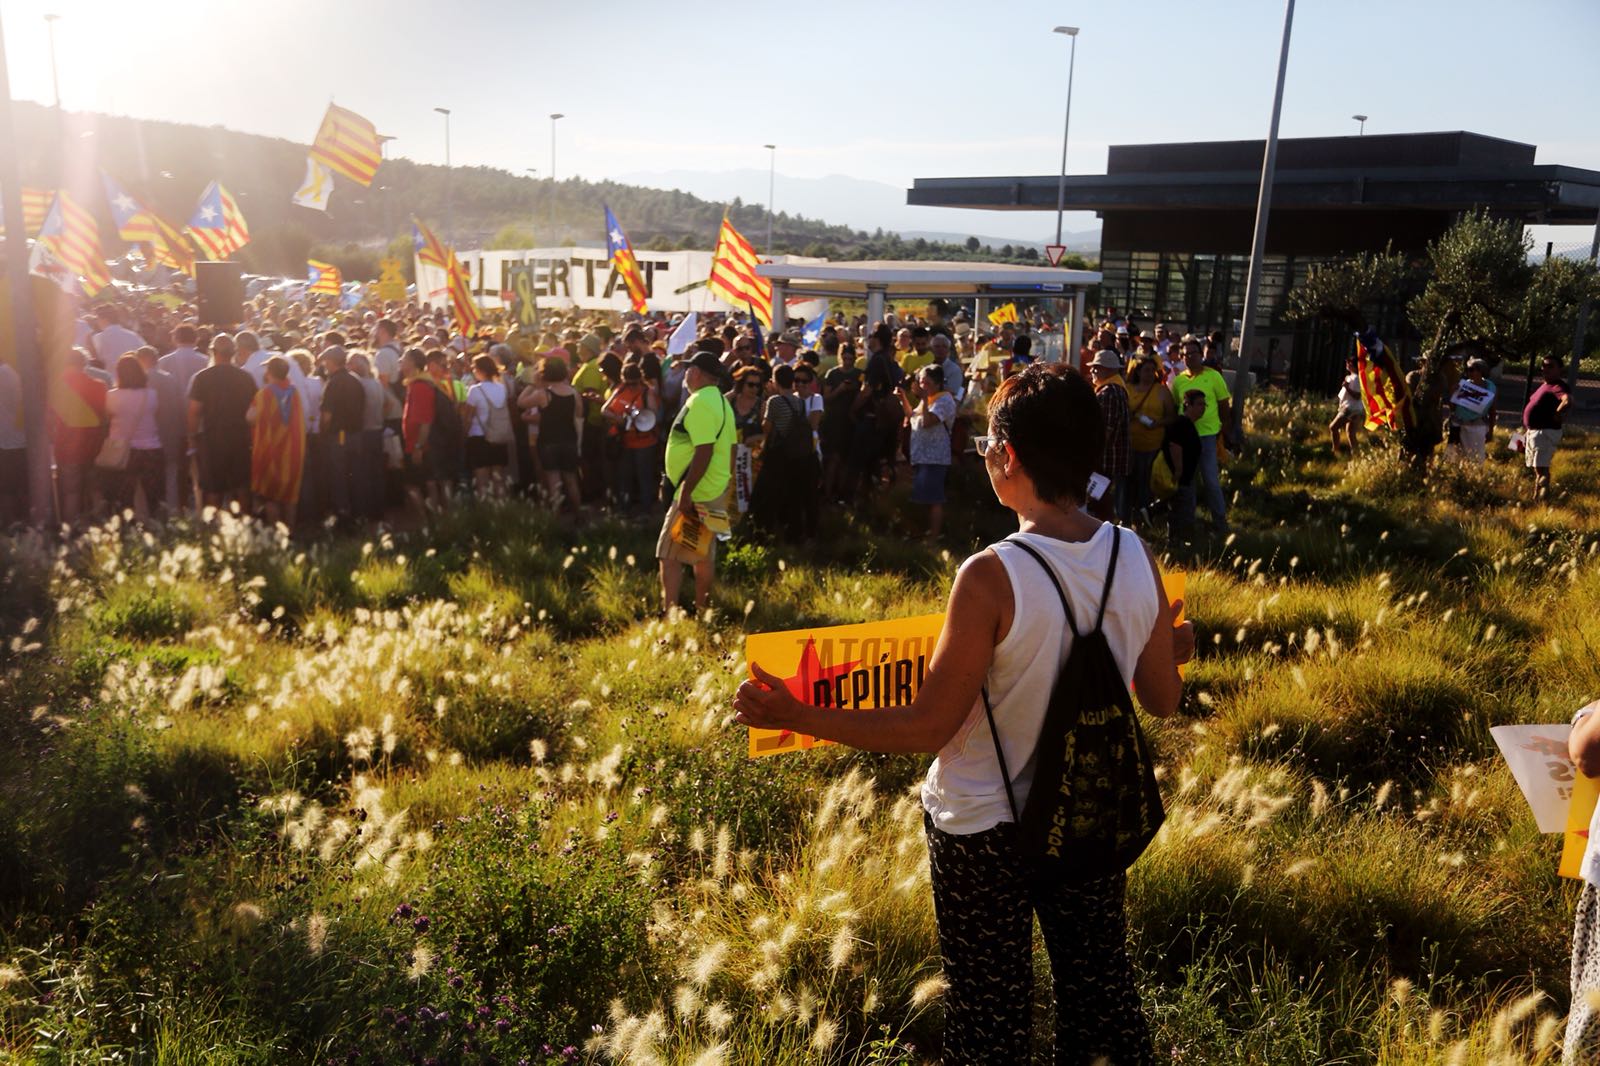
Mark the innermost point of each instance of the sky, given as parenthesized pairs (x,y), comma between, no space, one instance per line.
(884,90)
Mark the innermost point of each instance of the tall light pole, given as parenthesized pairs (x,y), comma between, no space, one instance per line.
(55,82)
(772,180)
(555,117)
(1252,286)
(1362,129)
(383,190)
(449,182)
(1061,188)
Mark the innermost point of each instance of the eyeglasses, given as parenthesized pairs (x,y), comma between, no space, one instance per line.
(984,444)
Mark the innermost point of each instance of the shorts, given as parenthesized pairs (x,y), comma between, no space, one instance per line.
(927,482)
(669,550)
(558,458)
(444,461)
(223,470)
(1539,447)
(481,453)
(1347,416)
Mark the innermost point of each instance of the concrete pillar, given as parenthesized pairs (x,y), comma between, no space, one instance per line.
(779,295)
(1075,328)
(876,299)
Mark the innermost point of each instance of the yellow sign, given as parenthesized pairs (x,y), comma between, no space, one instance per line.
(1585,790)
(864,667)
(854,668)
(392,281)
(1176,584)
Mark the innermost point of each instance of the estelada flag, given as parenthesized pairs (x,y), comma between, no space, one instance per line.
(348,144)
(68,248)
(323,278)
(862,667)
(35,205)
(1001,315)
(733,274)
(218,226)
(1384,396)
(620,252)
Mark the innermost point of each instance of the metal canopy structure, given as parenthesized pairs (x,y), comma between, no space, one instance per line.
(1329,195)
(879,281)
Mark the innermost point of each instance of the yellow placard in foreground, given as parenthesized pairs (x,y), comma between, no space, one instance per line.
(1176,585)
(856,668)
(1585,790)
(867,666)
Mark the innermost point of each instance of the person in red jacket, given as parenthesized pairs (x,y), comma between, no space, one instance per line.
(77,430)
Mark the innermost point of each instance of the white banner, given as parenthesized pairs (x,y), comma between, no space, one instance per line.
(583,277)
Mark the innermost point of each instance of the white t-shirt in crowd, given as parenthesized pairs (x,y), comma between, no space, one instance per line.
(371,403)
(386,363)
(964,792)
(257,365)
(310,390)
(183,364)
(133,417)
(481,397)
(114,342)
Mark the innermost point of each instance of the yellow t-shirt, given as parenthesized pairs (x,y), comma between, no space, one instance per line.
(912,362)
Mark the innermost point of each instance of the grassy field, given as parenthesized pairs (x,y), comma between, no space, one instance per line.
(457,796)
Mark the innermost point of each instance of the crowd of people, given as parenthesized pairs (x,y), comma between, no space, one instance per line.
(307,414)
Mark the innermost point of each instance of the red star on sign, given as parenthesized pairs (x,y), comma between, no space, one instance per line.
(809,671)
(802,685)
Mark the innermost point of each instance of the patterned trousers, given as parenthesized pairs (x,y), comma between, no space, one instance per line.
(985,896)
(1582,1043)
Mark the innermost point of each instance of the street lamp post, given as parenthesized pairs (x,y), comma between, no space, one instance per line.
(1061,187)
(55,82)
(1252,287)
(554,118)
(449,182)
(383,190)
(1362,129)
(772,178)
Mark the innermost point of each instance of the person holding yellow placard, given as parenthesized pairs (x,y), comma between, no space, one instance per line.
(1583,1022)
(1064,584)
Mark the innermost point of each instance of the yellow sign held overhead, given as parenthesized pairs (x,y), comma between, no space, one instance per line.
(391,281)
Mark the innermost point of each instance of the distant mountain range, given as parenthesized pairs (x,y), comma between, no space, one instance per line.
(168,164)
(869,205)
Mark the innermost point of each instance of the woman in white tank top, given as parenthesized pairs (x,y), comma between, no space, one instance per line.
(1004,632)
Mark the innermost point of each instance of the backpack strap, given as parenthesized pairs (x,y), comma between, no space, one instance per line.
(1066,608)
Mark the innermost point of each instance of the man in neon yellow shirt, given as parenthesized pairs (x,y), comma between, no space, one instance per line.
(699,466)
(1219,412)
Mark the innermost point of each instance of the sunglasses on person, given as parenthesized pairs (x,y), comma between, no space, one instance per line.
(985,444)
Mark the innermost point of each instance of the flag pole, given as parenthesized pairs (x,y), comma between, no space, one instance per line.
(24,338)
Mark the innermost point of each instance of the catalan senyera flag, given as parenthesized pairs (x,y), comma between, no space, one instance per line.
(323,278)
(1001,315)
(162,241)
(1384,395)
(69,241)
(35,205)
(733,274)
(218,227)
(620,252)
(433,252)
(348,144)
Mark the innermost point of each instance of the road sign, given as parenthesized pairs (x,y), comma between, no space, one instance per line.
(1054,252)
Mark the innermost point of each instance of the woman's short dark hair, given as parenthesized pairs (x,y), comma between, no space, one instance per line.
(553,368)
(485,365)
(1051,418)
(784,376)
(1023,345)
(632,372)
(416,358)
(130,372)
(934,373)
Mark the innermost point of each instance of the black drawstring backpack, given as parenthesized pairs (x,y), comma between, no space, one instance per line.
(1094,805)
